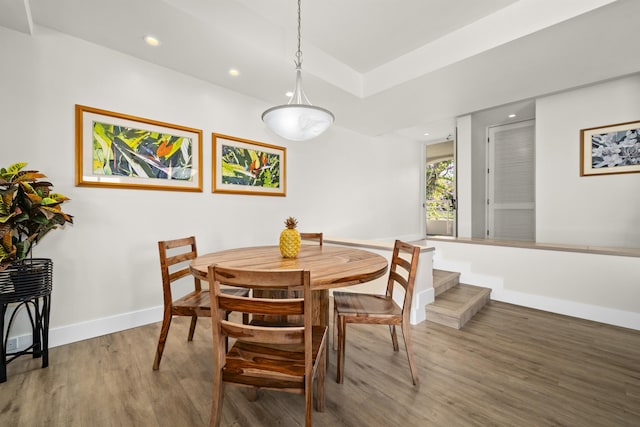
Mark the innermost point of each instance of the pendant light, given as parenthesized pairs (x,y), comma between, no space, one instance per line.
(298,120)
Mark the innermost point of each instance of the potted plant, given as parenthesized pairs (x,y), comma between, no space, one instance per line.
(28,211)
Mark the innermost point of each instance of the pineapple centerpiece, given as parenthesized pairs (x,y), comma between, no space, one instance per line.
(290,239)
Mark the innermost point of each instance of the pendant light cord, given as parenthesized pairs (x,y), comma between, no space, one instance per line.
(298,60)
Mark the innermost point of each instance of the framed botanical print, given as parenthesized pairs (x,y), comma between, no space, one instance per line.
(122,151)
(242,166)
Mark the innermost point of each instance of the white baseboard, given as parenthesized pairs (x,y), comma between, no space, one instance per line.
(94,328)
(625,319)
(418,309)
(107,325)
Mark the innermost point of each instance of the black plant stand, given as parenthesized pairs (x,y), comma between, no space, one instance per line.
(27,284)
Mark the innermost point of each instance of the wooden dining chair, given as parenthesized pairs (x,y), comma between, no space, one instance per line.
(175,256)
(284,358)
(361,308)
(315,237)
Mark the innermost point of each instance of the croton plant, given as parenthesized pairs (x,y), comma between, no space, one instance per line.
(28,211)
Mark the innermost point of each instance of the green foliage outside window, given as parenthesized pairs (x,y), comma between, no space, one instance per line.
(440,179)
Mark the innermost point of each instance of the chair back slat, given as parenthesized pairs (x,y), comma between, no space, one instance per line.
(262,334)
(178,274)
(259,279)
(397,278)
(185,241)
(401,262)
(177,259)
(267,306)
(315,237)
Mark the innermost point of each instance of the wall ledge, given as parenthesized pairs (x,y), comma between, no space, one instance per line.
(629,252)
(371,244)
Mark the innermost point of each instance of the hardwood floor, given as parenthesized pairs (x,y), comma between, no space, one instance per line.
(509,366)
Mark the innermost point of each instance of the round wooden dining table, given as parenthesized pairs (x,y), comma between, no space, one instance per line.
(330,267)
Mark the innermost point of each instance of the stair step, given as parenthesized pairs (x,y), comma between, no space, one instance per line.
(457,306)
(444,280)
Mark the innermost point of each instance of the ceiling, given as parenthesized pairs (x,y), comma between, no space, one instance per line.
(381,66)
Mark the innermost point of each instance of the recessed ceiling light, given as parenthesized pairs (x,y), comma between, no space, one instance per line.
(426,134)
(288,94)
(151,40)
(233,72)
(511,116)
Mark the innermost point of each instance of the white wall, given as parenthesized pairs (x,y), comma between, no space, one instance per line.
(106,270)
(601,210)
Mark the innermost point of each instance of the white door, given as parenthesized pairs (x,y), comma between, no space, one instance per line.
(511,182)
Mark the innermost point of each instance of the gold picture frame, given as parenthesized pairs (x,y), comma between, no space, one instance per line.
(242,166)
(122,151)
(610,149)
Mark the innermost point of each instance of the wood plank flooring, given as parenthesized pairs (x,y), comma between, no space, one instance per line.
(509,366)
